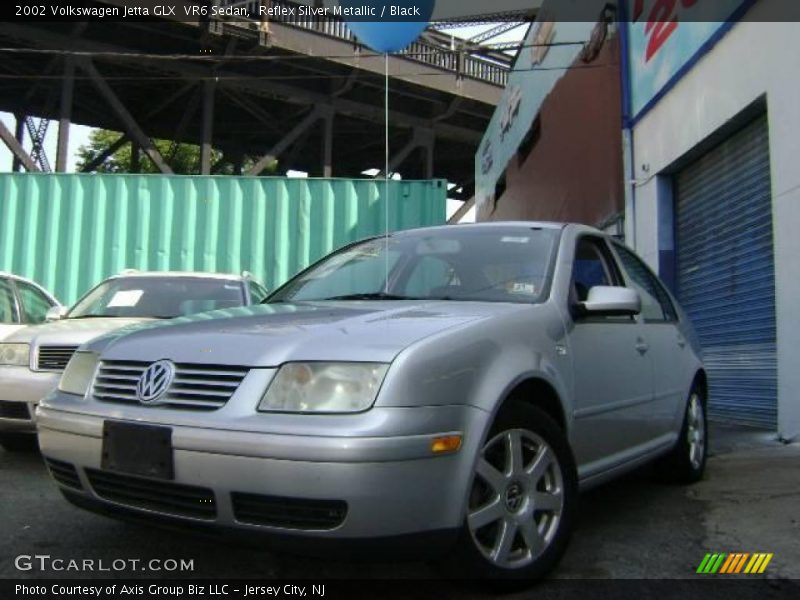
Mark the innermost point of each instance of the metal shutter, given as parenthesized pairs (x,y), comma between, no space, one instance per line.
(726,275)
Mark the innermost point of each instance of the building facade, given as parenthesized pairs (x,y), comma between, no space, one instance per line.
(552,150)
(714,195)
(701,158)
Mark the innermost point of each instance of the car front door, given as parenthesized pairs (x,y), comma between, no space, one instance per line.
(670,352)
(612,368)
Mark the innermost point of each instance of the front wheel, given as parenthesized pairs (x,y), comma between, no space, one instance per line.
(521,502)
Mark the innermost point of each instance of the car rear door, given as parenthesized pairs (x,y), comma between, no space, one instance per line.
(612,369)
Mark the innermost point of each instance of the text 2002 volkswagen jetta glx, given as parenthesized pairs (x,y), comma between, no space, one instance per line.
(465,397)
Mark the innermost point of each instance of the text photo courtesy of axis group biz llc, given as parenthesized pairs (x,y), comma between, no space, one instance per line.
(399,298)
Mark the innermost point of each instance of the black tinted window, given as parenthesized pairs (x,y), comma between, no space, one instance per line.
(590,268)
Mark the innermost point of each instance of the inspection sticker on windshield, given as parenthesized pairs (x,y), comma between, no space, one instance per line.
(516,287)
(511,239)
(126,298)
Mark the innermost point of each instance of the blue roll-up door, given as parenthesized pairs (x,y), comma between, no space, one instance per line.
(726,274)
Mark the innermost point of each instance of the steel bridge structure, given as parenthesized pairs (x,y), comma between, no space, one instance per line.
(301,91)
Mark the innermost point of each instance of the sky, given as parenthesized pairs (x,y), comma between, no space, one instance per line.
(79,135)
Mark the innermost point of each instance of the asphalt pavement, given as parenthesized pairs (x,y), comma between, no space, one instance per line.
(633,528)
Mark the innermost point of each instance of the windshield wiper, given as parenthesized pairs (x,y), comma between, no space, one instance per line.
(371,296)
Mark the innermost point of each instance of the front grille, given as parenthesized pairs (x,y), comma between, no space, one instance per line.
(54,358)
(14,410)
(162,496)
(64,473)
(198,387)
(292,513)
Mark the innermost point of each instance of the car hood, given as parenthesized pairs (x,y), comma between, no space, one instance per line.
(7,329)
(270,335)
(70,332)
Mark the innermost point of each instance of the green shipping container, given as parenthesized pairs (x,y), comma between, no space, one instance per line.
(70,231)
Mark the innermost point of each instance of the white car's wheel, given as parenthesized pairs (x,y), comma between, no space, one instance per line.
(520,504)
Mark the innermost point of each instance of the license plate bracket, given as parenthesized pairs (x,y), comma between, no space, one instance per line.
(138,449)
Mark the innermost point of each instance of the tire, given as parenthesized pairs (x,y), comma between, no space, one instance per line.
(18,442)
(686,462)
(519,512)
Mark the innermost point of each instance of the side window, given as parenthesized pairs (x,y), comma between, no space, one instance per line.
(34,303)
(7,312)
(591,267)
(656,304)
(257,293)
(429,275)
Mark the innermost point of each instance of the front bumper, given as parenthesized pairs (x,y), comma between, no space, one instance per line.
(20,391)
(390,483)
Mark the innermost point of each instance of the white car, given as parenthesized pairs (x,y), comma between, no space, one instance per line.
(33,358)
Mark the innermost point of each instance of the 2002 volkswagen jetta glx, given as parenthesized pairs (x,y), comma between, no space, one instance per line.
(467,396)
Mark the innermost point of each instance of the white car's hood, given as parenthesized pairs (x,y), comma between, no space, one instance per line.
(69,332)
(6,329)
(269,335)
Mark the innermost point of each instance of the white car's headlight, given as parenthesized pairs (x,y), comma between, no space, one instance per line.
(18,355)
(79,373)
(324,387)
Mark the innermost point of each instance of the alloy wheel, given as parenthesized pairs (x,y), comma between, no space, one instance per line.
(696,431)
(517,498)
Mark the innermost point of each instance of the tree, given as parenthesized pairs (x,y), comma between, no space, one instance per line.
(182,158)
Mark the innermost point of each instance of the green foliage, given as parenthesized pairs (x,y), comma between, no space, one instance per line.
(183,159)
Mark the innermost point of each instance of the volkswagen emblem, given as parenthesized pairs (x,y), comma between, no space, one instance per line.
(155,381)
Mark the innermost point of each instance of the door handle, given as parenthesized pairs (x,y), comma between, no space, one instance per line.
(641,346)
(681,341)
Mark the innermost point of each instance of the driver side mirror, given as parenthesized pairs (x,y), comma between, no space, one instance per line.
(607,301)
(55,313)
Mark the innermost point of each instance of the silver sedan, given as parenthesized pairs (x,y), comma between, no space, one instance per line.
(452,386)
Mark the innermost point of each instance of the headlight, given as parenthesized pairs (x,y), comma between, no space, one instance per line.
(18,355)
(321,387)
(79,373)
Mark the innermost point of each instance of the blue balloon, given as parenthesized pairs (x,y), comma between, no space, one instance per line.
(391,33)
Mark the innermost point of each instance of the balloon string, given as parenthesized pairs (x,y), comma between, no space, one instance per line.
(386,166)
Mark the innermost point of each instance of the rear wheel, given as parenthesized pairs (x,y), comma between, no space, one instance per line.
(520,505)
(687,460)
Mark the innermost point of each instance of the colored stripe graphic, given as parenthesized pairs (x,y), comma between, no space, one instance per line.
(765,563)
(741,562)
(734,563)
(731,560)
(711,563)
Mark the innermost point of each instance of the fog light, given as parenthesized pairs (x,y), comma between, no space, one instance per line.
(448,443)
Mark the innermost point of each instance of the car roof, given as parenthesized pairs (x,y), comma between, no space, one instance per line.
(177,274)
(493,224)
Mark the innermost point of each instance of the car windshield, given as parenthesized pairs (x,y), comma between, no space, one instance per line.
(489,264)
(157,297)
